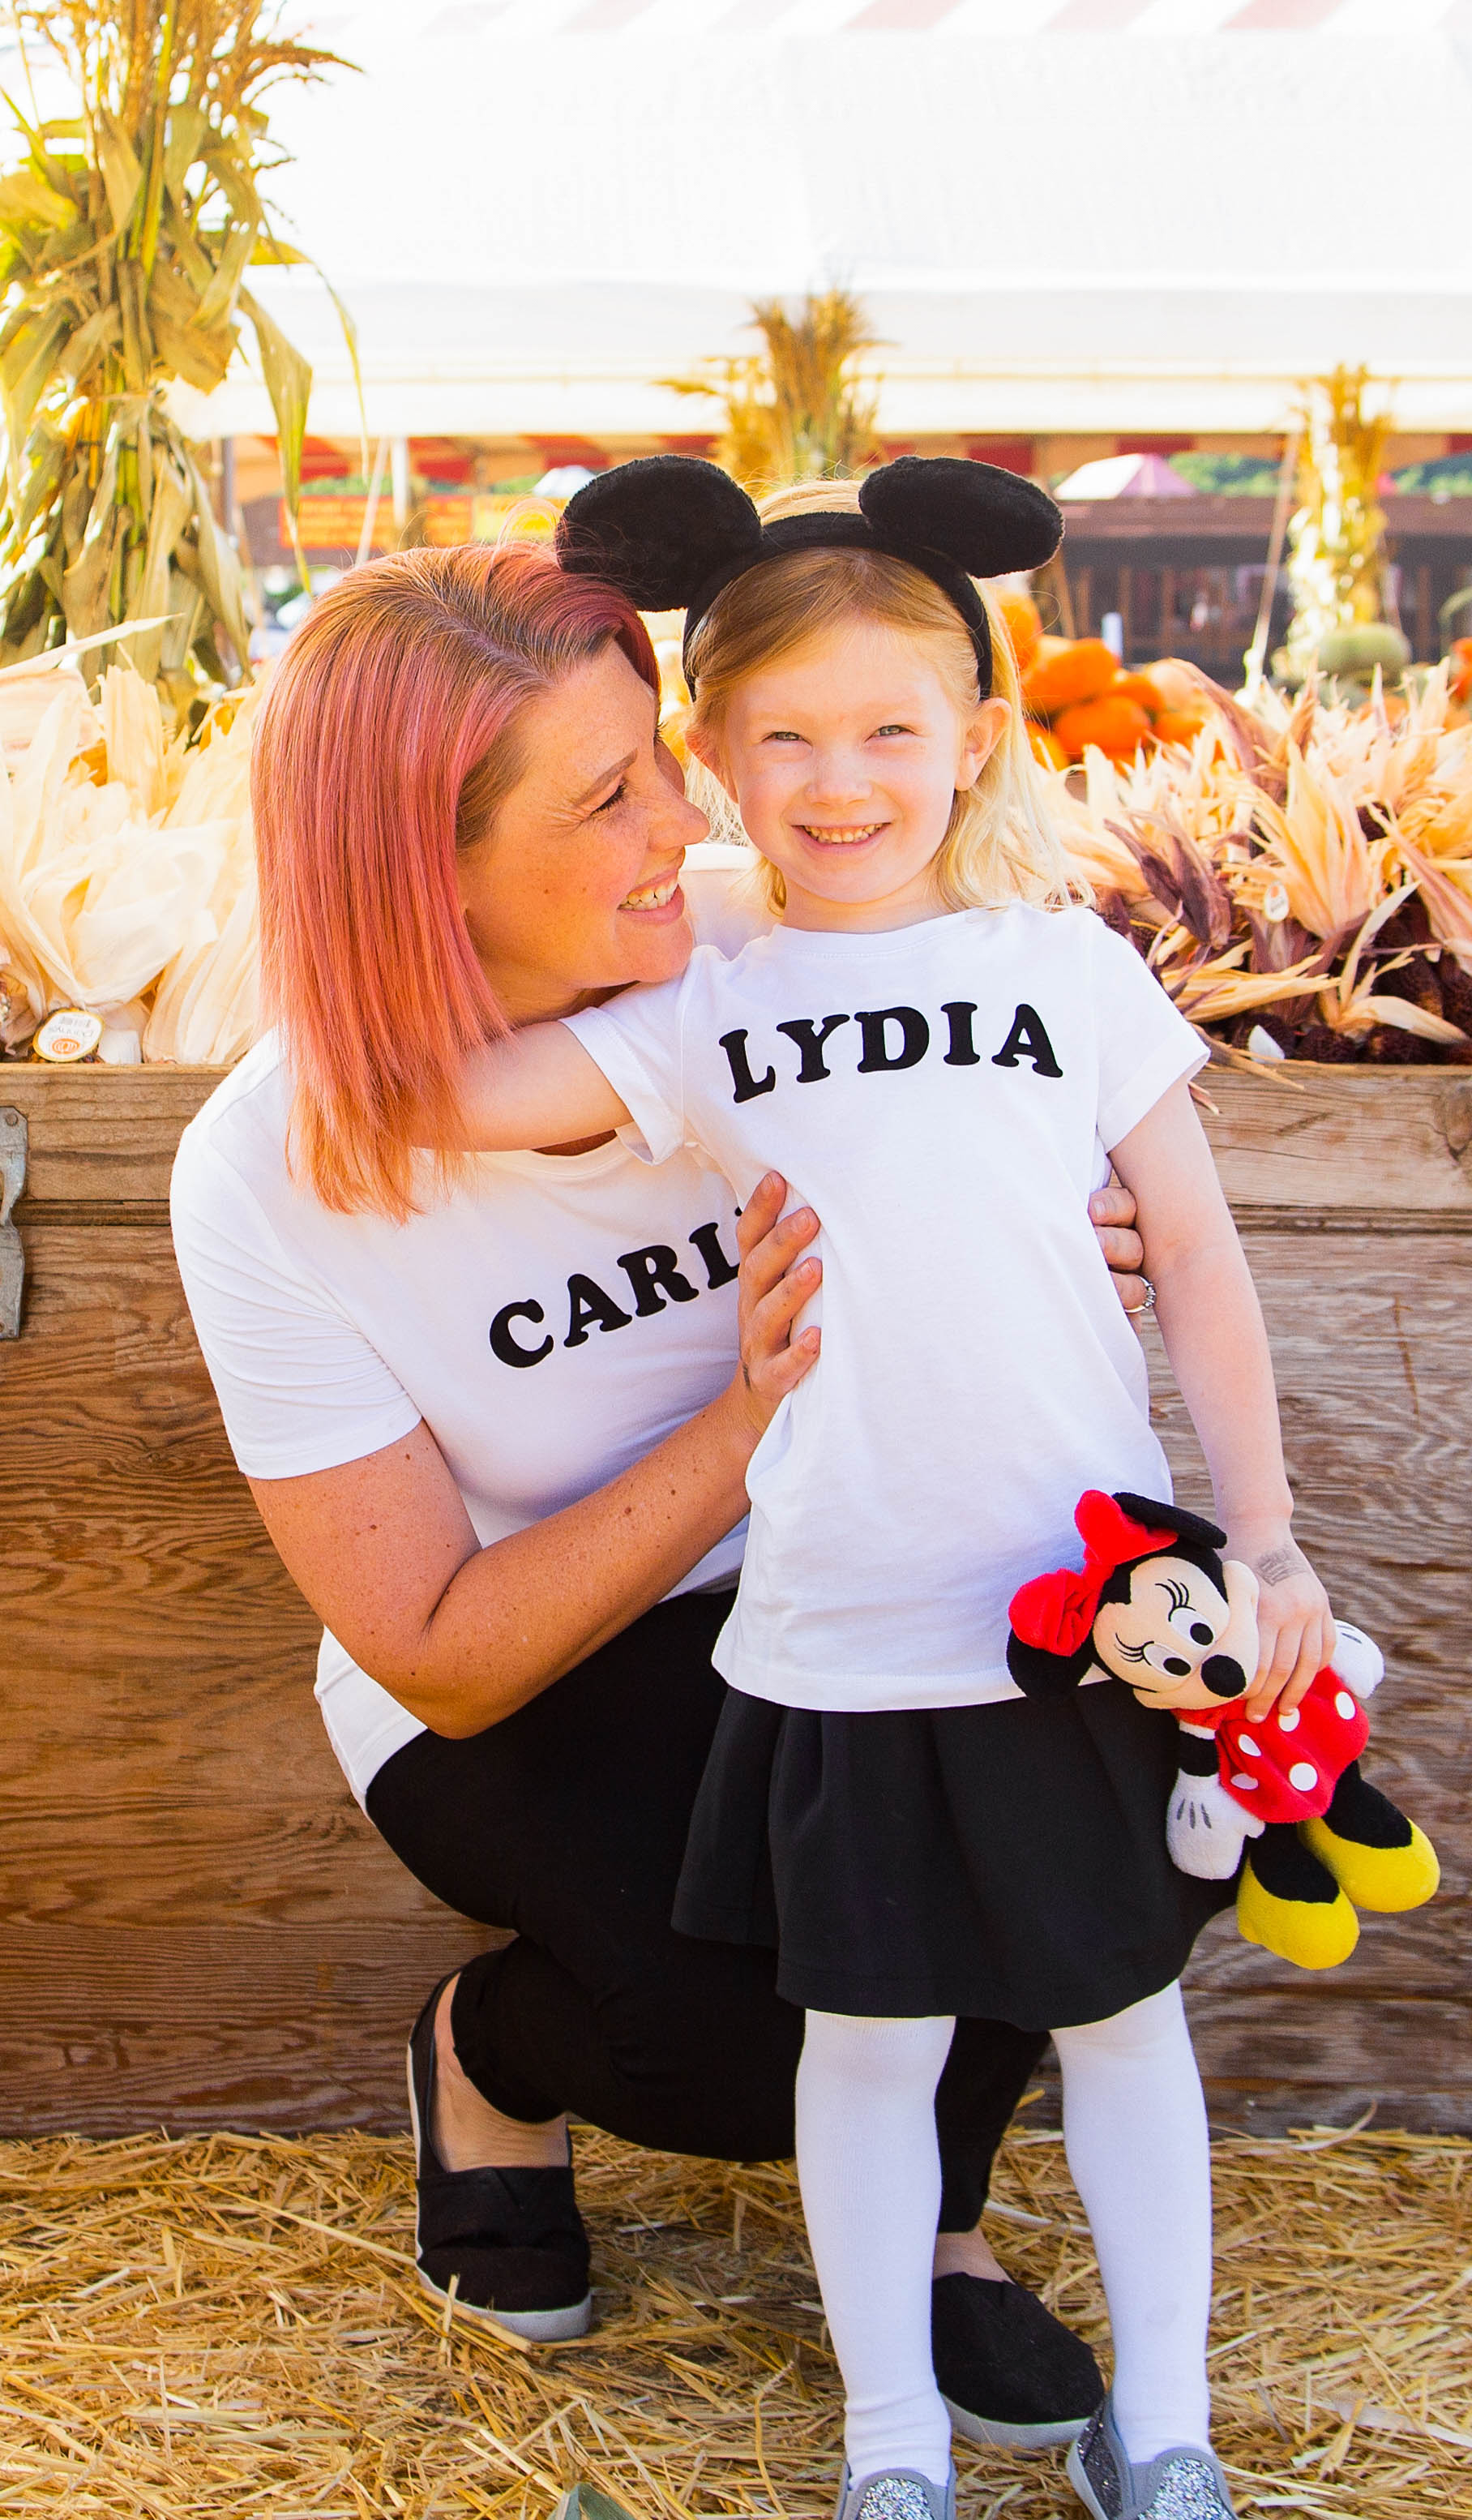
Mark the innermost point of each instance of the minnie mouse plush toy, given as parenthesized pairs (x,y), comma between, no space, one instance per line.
(1157,1606)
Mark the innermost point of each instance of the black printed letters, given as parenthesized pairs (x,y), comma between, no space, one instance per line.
(650,1271)
(914,1041)
(588,1304)
(890,1037)
(747,1085)
(507,1346)
(1028,1039)
(810,1038)
(963,1052)
(655,1279)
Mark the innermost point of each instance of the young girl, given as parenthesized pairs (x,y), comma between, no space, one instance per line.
(935,1048)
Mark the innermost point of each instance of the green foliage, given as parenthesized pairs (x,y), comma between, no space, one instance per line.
(126,231)
(1229,477)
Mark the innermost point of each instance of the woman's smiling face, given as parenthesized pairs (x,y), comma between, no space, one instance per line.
(575,889)
(845,757)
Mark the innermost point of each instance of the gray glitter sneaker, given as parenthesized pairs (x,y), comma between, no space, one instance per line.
(1185,2484)
(897,2494)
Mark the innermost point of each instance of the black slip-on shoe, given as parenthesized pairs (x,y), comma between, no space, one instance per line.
(1012,2376)
(513,2237)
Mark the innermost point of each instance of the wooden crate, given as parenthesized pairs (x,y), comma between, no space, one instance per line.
(197,1927)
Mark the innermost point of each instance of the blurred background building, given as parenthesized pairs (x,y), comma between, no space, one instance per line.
(1102,242)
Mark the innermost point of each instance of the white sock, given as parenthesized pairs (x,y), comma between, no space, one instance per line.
(1134,2126)
(869,2165)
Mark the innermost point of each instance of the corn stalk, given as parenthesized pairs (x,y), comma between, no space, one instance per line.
(794,411)
(126,233)
(1336,538)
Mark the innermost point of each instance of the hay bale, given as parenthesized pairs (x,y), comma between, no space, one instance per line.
(232,2324)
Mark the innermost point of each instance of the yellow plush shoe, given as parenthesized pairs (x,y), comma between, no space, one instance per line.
(1292,1905)
(1387,1879)
(1378,1857)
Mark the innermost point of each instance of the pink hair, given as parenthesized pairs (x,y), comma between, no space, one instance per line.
(388,742)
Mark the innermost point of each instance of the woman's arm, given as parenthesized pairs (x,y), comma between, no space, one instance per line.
(1213,1329)
(536,1087)
(462,1636)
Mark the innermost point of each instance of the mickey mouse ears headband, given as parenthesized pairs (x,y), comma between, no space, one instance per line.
(670,530)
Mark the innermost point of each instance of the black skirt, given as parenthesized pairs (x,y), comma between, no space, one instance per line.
(1007,1861)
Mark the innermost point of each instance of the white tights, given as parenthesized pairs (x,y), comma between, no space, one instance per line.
(1135,2129)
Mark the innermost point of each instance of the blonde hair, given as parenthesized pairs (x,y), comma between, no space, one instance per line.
(1000,845)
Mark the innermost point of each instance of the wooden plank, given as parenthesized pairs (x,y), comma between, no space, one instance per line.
(105,2030)
(1381,1140)
(197,1926)
(1386,1142)
(1372,1343)
(102,1134)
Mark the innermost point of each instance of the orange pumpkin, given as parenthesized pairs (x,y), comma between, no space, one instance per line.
(1138,687)
(1046,748)
(1067,671)
(1116,726)
(1178,726)
(1024,629)
(1173,687)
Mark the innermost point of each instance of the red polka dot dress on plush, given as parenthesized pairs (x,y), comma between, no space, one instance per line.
(1286,1767)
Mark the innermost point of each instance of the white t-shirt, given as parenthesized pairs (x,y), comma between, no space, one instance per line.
(551,1321)
(939,1093)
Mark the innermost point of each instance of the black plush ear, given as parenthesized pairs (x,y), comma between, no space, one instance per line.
(987,521)
(658,528)
(1172,1517)
(1041,1674)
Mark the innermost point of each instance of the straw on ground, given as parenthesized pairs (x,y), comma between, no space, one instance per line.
(232,2325)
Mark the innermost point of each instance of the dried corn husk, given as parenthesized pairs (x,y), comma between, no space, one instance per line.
(1296,859)
(127,874)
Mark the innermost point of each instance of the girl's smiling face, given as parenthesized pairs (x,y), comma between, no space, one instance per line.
(845,757)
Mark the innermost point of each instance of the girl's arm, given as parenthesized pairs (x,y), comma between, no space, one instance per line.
(1213,1329)
(462,1635)
(537,1087)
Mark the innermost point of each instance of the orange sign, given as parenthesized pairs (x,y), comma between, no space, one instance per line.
(447,517)
(336,524)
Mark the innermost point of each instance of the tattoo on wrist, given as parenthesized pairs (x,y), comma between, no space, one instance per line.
(1277,1563)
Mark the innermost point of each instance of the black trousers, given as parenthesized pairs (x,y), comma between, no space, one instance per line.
(567,1823)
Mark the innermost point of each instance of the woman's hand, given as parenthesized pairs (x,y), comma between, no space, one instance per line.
(1296,1632)
(778,1276)
(1111,1213)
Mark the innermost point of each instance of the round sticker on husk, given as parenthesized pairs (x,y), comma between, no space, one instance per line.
(68,1037)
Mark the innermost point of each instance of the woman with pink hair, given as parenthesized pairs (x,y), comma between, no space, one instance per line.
(497,1413)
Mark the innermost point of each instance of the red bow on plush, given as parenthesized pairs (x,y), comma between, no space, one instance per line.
(1056,1612)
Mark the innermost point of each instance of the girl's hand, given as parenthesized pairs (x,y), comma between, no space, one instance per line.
(1296,1632)
(777,1281)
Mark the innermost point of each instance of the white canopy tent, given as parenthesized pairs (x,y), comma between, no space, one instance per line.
(1062,215)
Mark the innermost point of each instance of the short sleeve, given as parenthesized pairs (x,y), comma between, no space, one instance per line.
(300,1388)
(1146,1046)
(636,1040)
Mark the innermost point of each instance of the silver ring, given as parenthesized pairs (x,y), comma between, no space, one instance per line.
(1148,1306)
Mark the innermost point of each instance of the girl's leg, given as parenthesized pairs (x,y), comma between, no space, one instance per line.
(869,2165)
(1134,2126)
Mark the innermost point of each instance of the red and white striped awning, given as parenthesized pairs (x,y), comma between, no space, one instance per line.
(1065,217)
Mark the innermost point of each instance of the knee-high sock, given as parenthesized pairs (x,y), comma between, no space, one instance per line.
(1134,2126)
(870,2169)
